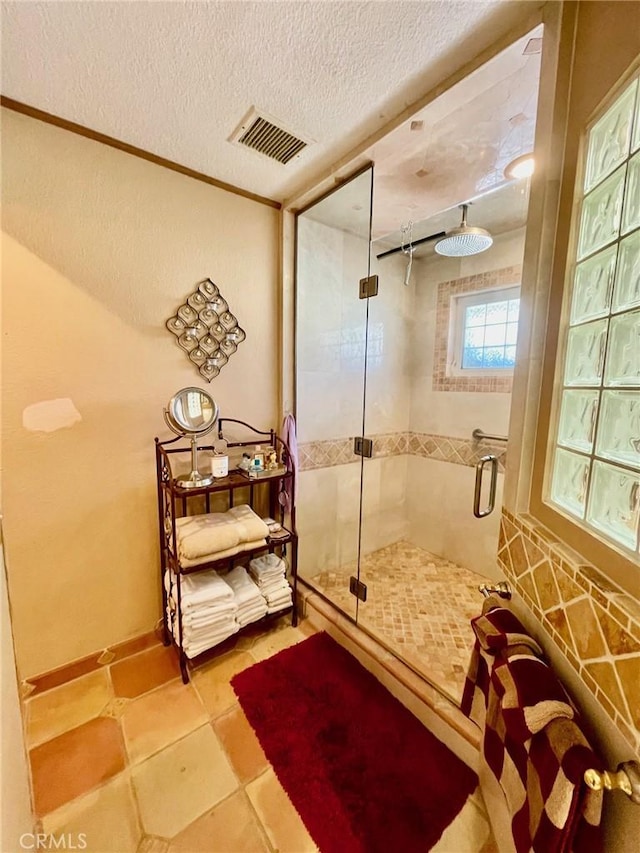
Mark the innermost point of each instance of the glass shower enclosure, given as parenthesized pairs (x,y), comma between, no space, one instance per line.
(371,508)
(332,256)
(352,400)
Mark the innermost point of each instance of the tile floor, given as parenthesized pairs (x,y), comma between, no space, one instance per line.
(135,760)
(419,605)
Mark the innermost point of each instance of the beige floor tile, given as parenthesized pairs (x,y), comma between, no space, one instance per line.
(75,762)
(273,643)
(468,833)
(229,828)
(160,718)
(104,821)
(179,784)
(56,711)
(287,833)
(258,630)
(305,627)
(140,673)
(212,681)
(241,744)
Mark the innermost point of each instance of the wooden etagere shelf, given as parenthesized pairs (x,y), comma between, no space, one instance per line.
(263,495)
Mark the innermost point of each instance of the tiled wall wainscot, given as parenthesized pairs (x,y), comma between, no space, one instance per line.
(460,451)
(594,623)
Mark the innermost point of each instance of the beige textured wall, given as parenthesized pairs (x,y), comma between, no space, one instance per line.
(99,249)
(15,798)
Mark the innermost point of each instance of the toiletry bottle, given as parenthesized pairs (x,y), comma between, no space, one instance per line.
(258,459)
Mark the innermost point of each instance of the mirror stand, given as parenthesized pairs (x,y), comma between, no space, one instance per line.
(192,413)
(195,478)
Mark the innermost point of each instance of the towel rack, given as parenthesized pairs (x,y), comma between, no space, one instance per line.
(625,778)
(479,435)
(502,589)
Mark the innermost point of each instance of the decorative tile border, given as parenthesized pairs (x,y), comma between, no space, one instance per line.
(339,451)
(456,287)
(594,623)
(460,451)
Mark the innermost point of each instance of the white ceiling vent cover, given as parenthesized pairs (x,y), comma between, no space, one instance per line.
(263,134)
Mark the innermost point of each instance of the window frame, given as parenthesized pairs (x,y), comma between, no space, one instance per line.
(611,559)
(457,316)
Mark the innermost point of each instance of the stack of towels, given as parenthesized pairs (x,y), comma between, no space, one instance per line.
(215,535)
(269,573)
(209,611)
(251,603)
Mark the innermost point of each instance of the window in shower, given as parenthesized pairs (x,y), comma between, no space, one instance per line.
(485,328)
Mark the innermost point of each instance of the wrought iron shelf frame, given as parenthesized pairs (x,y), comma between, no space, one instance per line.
(174,502)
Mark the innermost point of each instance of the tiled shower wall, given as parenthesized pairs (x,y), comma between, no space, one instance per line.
(419,485)
(410,488)
(330,369)
(594,624)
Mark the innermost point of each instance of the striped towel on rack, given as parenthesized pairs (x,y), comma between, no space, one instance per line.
(532,742)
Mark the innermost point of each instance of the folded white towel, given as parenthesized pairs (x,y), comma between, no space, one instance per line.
(204,534)
(255,607)
(195,621)
(209,581)
(220,555)
(213,605)
(204,632)
(271,584)
(200,590)
(266,566)
(283,596)
(251,525)
(240,583)
(252,615)
(274,608)
(210,632)
(193,648)
(245,597)
(217,532)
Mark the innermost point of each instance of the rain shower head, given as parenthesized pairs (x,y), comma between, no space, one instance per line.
(464,240)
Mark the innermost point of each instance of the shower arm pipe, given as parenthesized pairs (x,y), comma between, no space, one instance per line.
(479,435)
(414,243)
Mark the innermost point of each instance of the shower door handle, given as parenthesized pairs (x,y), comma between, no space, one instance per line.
(493,460)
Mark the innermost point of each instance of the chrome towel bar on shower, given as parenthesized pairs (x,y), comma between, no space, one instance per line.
(479,435)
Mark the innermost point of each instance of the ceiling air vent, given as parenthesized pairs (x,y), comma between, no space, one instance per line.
(263,135)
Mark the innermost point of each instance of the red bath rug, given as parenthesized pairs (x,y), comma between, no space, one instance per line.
(363,773)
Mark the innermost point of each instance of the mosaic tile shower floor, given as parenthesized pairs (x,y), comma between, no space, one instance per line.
(418,604)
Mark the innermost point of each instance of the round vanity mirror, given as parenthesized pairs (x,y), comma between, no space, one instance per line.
(192,412)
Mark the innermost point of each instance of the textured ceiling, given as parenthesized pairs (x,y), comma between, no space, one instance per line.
(176,78)
(465,139)
(458,153)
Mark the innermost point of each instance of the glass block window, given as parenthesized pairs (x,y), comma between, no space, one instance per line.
(486,328)
(595,472)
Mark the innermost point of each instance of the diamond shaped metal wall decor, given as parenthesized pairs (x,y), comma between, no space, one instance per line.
(206,329)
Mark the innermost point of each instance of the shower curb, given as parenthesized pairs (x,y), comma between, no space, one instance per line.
(434,710)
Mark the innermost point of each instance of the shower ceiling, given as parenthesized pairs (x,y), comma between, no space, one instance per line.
(501,210)
(457,153)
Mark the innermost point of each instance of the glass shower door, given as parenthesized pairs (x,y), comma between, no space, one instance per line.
(332,256)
